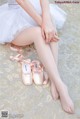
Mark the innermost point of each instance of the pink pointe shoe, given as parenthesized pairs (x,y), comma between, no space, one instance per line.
(26,72)
(40,77)
(17,58)
(16,48)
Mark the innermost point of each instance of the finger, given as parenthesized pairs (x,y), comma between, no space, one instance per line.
(47,39)
(56,37)
(50,36)
(54,40)
(53,37)
(43,35)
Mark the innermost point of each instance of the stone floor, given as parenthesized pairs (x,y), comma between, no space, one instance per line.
(35,102)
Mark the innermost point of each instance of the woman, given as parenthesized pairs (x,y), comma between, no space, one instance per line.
(31,22)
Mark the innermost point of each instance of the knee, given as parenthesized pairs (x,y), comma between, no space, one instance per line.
(38,36)
(38,31)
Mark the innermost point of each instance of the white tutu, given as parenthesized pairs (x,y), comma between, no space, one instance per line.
(14,20)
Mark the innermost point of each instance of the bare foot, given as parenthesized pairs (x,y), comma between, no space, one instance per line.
(65,99)
(54,93)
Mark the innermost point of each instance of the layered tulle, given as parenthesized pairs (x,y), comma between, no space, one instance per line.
(14,20)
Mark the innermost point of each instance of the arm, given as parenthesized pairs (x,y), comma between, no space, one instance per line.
(45,9)
(49,31)
(28,7)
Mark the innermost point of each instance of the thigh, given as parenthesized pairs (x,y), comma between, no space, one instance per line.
(25,37)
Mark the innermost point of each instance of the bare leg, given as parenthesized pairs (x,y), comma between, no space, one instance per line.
(15,44)
(31,35)
(54,49)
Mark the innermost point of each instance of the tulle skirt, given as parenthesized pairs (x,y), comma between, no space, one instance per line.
(14,19)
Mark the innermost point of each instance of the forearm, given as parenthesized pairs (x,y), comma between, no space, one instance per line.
(45,9)
(29,8)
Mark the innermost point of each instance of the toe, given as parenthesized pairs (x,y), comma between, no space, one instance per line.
(69,110)
(72,109)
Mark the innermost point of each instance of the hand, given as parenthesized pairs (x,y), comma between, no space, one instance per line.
(49,31)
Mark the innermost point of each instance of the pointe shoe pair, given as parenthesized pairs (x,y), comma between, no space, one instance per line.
(32,71)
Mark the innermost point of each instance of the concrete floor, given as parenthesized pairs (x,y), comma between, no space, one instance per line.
(35,102)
